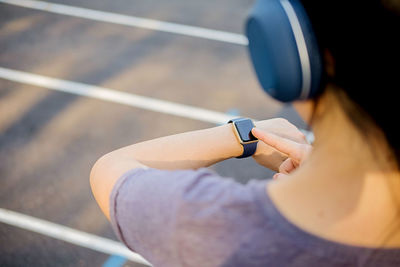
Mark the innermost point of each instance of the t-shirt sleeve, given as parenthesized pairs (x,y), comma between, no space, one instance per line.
(182,218)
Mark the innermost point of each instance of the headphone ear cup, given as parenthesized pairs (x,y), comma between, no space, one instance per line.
(274,51)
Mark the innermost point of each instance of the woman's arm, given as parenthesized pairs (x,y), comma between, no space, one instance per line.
(191,150)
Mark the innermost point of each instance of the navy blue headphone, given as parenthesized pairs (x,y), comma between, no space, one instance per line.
(284,49)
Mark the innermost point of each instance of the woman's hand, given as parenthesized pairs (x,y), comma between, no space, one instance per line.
(268,155)
(296,152)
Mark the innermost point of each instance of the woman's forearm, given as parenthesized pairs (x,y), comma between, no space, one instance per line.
(190,150)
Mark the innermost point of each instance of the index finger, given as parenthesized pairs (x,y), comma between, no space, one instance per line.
(294,150)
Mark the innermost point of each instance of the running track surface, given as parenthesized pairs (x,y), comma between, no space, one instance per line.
(49,140)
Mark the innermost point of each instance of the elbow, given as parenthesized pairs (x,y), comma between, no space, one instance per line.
(101,183)
(99,172)
(94,176)
(105,173)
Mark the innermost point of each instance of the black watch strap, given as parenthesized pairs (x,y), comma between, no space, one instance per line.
(248,148)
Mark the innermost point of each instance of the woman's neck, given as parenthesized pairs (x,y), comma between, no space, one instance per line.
(347,191)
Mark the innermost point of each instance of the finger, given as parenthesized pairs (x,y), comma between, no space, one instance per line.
(279,176)
(292,149)
(287,166)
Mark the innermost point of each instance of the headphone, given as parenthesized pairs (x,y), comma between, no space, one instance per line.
(284,50)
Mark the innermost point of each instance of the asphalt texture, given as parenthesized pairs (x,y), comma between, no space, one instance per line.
(49,140)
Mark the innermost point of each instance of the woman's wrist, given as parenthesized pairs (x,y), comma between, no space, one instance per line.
(228,142)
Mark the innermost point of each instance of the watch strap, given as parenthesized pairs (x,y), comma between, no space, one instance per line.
(248,150)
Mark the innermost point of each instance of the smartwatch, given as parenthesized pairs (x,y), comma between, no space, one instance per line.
(242,128)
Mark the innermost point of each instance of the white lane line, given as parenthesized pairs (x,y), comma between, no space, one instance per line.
(69,235)
(132,21)
(115,96)
(124,98)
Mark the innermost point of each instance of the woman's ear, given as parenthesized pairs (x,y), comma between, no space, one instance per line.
(305,109)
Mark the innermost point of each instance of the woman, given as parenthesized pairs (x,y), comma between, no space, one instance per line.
(336,204)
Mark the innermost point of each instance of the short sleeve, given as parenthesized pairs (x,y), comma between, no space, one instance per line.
(182,218)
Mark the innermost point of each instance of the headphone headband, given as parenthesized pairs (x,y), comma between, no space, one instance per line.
(301,48)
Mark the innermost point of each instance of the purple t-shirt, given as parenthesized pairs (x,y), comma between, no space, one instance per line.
(197,218)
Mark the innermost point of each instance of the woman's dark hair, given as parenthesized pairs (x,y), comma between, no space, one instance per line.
(363,39)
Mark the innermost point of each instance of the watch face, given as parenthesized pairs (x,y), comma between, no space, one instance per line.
(244,129)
